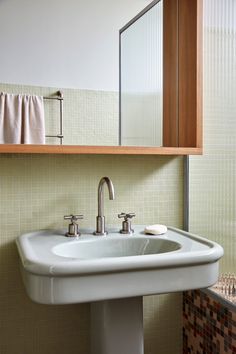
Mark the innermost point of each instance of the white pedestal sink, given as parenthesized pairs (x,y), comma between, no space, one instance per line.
(61,270)
(117,326)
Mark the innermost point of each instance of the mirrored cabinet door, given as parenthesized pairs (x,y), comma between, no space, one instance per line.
(141,79)
(160,76)
(154,108)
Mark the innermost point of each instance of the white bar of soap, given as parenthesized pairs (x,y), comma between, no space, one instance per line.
(155,229)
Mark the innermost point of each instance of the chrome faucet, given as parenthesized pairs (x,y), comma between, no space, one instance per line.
(101,230)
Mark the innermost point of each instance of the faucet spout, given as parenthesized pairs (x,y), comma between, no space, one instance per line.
(101,195)
(100,230)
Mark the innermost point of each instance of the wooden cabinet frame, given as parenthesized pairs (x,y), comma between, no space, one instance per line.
(182,112)
(182,73)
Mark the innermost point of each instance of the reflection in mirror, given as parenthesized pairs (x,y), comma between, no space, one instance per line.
(141,79)
(71,47)
(90,117)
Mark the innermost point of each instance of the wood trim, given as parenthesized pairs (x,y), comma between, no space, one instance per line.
(103,150)
(170,73)
(190,73)
(199,74)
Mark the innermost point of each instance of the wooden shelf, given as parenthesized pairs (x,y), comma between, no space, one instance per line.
(97,150)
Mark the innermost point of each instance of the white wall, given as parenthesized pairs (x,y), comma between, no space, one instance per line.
(56,43)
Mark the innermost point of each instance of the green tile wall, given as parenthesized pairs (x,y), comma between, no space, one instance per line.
(35,192)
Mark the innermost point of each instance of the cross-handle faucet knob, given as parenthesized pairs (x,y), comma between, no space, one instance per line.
(126,224)
(73,227)
(73,218)
(126,216)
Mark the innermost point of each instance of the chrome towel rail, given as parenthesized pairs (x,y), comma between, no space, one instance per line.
(59,96)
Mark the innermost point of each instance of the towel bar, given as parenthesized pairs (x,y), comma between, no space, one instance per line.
(60,98)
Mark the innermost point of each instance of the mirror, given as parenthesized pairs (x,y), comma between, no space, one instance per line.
(141,79)
(72,47)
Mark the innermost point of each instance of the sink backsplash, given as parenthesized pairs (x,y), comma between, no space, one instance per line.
(36,191)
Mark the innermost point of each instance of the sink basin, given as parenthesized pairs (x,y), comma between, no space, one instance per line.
(61,270)
(115,247)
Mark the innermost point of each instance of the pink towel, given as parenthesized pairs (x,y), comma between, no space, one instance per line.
(21,119)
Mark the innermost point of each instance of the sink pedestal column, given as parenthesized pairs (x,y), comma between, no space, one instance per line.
(117,326)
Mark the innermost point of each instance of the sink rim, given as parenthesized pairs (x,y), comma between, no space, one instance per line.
(56,266)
